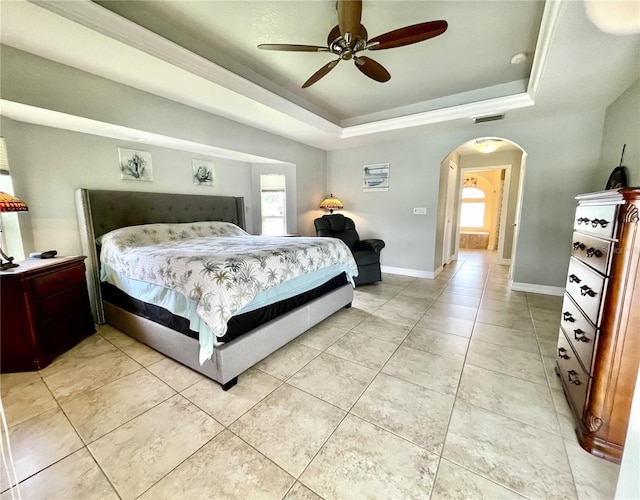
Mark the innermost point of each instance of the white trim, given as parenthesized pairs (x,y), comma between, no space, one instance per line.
(66,29)
(548,27)
(410,272)
(533,288)
(504,262)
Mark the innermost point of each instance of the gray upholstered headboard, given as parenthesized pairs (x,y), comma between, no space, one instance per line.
(102,211)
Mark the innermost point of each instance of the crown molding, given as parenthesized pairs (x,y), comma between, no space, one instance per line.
(219,90)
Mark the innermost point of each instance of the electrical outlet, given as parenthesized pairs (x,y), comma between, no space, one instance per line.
(420,211)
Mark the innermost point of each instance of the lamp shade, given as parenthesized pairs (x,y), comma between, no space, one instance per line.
(9,203)
(331,204)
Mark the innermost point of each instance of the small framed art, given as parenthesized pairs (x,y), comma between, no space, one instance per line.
(375,177)
(203,173)
(135,165)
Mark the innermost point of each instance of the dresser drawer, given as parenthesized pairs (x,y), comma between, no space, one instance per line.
(57,281)
(586,288)
(592,251)
(579,330)
(599,220)
(574,378)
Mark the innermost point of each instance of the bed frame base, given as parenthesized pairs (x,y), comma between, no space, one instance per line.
(232,358)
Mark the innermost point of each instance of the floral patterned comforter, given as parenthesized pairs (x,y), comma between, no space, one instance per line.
(217,264)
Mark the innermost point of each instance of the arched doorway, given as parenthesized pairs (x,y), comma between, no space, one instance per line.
(496,167)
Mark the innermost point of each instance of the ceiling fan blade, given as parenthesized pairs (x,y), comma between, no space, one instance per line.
(408,35)
(292,47)
(349,15)
(372,69)
(320,73)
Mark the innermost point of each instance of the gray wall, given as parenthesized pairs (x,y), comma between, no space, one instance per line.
(43,157)
(48,164)
(621,126)
(563,153)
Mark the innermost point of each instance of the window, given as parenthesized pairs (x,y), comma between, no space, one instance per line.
(472,207)
(273,203)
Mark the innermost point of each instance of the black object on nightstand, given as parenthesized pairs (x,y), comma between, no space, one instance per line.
(44,312)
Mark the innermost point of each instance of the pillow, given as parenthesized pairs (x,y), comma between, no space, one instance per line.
(149,234)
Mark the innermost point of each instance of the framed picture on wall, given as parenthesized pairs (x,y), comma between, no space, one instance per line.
(375,177)
(135,165)
(203,173)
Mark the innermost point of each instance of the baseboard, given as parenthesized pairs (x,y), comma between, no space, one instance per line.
(533,288)
(504,262)
(438,271)
(409,272)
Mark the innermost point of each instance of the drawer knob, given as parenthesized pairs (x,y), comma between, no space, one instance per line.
(561,353)
(586,291)
(567,316)
(578,246)
(574,279)
(592,252)
(599,222)
(573,373)
(578,334)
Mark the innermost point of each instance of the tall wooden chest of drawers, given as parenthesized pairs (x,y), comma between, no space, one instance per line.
(599,339)
(45,311)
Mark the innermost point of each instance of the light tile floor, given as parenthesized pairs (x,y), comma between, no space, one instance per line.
(423,389)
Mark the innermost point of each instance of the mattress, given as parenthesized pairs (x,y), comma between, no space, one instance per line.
(236,326)
(209,272)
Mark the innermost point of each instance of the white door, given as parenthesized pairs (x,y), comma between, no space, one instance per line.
(516,223)
(447,250)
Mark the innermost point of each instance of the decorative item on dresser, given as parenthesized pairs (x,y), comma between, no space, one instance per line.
(45,311)
(599,338)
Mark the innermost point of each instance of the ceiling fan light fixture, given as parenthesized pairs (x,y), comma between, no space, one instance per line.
(350,37)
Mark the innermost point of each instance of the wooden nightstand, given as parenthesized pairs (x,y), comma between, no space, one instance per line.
(44,312)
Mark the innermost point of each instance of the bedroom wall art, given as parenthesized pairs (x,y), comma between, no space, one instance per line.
(203,173)
(135,165)
(375,177)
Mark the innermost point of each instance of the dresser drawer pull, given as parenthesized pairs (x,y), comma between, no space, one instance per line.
(592,252)
(578,334)
(573,373)
(567,316)
(585,290)
(561,353)
(574,279)
(578,246)
(60,281)
(599,222)
(584,220)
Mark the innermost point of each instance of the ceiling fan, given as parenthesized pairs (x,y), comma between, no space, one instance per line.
(350,37)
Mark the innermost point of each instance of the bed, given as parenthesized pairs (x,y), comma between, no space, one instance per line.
(251,334)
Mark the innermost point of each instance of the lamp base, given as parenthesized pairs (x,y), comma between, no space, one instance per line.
(7,265)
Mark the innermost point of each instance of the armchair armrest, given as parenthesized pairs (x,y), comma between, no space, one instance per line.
(370,244)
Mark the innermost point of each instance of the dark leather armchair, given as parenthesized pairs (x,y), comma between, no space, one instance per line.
(365,252)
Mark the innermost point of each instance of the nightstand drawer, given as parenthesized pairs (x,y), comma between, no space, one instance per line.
(60,332)
(56,303)
(574,378)
(57,281)
(592,251)
(586,288)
